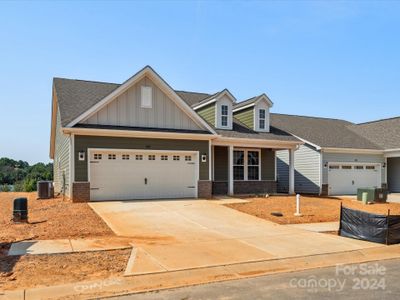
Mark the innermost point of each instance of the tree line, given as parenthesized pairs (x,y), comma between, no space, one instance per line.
(20,176)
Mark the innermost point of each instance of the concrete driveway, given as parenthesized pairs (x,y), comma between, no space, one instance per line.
(171,235)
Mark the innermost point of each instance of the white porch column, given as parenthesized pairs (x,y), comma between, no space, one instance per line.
(210,161)
(291,171)
(230,170)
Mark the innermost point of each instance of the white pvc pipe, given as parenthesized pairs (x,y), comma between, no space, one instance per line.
(297,205)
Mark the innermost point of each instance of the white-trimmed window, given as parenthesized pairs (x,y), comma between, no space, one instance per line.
(188,158)
(246,165)
(139,157)
(97,156)
(146,97)
(253,165)
(176,157)
(224,115)
(112,156)
(125,156)
(152,157)
(261,119)
(164,157)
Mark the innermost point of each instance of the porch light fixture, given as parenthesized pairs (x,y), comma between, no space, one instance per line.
(326,165)
(204,158)
(81,155)
(384,165)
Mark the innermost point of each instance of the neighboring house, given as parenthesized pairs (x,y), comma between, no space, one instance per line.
(338,157)
(141,139)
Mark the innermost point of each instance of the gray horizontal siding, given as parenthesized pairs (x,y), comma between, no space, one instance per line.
(61,159)
(307,170)
(282,170)
(350,158)
(82,143)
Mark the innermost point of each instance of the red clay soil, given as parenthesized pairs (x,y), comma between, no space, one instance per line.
(314,209)
(50,219)
(18,272)
(54,219)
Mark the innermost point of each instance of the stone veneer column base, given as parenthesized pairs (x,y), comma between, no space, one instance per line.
(204,189)
(324,189)
(80,192)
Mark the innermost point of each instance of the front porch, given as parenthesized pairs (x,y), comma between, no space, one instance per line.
(246,170)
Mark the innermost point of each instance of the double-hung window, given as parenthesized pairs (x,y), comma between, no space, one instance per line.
(253,165)
(246,165)
(238,165)
(224,115)
(261,119)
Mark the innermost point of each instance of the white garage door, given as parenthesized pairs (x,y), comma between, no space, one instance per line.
(345,179)
(124,175)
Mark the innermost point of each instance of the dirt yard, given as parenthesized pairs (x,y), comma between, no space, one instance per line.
(314,209)
(54,219)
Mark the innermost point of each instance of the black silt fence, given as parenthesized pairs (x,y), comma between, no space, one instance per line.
(361,225)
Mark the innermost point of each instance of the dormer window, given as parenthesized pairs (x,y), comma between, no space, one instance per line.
(224,115)
(261,119)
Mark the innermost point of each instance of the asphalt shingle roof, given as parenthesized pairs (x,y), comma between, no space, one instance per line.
(239,130)
(192,98)
(245,102)
(323,132)
(77,96)
(382,132)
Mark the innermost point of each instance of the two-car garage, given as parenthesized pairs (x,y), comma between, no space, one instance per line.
(124,174)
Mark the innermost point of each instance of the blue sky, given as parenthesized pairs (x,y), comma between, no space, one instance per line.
(331,59)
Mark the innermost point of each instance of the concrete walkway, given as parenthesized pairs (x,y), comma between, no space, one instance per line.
(172,235)
(66,246)
(317,227)
(166,280)
(394,197)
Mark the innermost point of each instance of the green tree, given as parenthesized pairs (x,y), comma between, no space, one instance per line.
(4,188)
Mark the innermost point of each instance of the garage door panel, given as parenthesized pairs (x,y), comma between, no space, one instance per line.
(345,179)
(143,175)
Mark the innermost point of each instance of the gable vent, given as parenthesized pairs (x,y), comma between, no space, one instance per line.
(146,97)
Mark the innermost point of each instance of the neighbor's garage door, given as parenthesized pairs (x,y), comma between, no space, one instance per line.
(345,179)
(124,175)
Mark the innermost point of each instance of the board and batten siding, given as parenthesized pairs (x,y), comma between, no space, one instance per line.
(307,170)
(267,164)
(349,158)
(126,110)
(221,163)
(61,163)
(246,116)
(83,143)
(208,113)
(393,174)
